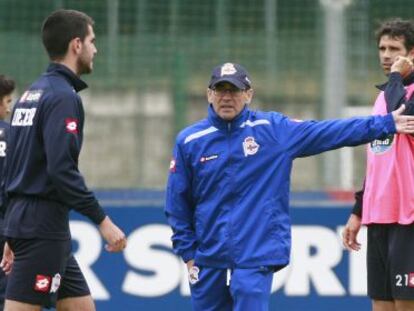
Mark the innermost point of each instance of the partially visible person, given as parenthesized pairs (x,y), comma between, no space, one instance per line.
(227,198)
(7,86)
(43,182)
(386,203)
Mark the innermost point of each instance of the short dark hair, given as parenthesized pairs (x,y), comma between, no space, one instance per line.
(60,27)
(397,27)
(7,86)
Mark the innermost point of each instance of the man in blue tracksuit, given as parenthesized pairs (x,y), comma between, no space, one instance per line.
(228,189)
(43,182)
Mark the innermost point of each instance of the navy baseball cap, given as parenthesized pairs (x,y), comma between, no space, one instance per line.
(232,73)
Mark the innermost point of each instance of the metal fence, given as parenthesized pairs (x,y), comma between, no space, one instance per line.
(154,60)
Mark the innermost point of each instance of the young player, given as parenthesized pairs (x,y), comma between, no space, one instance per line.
(386,204)
(43,181)
(7,86)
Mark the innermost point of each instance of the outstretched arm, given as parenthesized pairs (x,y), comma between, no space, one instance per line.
(312,137)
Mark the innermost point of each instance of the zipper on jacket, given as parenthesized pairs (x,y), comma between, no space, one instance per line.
(228,276)
(230,212)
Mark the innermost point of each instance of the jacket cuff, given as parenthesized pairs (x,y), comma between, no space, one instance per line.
(359,195)
(390,124)
(395,77)
(188,255)
(95,213)
(357,209)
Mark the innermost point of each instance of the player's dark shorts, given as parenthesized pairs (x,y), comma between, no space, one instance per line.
(390,262)
(44,271)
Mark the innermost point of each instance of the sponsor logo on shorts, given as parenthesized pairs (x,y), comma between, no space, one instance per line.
(381,146)
(193,275)
(411,279)
(42,283)
(55,283)
(71,125)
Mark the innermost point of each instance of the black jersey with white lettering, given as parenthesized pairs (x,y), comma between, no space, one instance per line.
(4,129)
(4,133)
(42,178)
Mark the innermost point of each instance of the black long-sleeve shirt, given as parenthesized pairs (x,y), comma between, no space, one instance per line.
(42,180)
(4,134)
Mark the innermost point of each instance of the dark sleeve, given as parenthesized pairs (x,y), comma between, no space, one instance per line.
(3,198)
(395,94)
(394,91)
(61,130)
(359,195)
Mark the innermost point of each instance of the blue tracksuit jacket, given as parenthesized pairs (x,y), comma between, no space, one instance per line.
(228,189)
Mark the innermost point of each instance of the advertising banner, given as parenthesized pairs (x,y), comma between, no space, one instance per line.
(148,276)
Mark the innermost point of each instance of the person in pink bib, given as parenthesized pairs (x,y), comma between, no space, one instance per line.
(386,202)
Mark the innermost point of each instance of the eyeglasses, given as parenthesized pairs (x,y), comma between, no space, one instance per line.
(221,91)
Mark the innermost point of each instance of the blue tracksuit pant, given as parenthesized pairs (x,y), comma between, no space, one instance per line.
(236,290)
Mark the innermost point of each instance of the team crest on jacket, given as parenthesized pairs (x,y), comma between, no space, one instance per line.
(250,146)
(380,146)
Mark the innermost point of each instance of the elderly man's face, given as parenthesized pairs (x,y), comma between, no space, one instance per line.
(228,100)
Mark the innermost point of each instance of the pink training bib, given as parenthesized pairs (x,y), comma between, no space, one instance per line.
(389,184)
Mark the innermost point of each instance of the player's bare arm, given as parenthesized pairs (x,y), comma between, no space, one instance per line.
(350,233)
